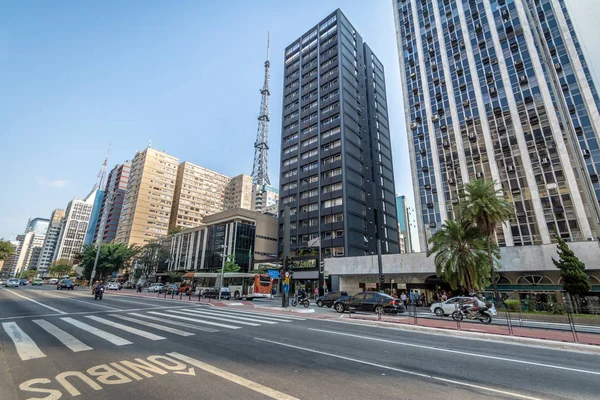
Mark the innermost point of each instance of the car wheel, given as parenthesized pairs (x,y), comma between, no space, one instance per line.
(339,307)
(439,312)
(319,303)
(379,310)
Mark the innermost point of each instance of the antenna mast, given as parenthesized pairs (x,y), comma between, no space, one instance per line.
(260,176)
(102,175)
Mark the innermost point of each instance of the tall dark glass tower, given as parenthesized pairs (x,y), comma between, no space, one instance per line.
(336,160)
(500,89)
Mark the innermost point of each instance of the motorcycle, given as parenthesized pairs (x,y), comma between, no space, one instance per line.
(98,293)
(139,289)
(304,301)
(483,314)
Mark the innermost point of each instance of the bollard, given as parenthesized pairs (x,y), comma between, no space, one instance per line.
(509,322)
(415,315)
(572,324)
(180,295)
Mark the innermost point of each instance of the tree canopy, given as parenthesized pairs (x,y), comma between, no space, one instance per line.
(60,267)
(572,270)
(460,255)
(150,257)
(230,264)
(113,257)
(6,249)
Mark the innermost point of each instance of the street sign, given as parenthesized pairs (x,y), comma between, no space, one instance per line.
(287,281)
(273,273)
(114,274)
(287,274)
(285,287)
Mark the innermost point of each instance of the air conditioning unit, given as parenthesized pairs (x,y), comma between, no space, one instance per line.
(443,128)
(452,181)
(558,67)
(414,125)
(435,118)
(429,205)
(545,161)
(472,137)
(455,201)
(413,76)
(479,175)
(446,144)
(586,153)
(421,136)
(469,120)
(432,225)
(493,91)
(427,187)
(465,103)
(425,168)
(523,80)
(423,152)
(510,168)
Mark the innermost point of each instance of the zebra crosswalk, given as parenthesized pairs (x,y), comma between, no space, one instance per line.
(32,339)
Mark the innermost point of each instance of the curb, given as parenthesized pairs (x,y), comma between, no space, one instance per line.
(544,343)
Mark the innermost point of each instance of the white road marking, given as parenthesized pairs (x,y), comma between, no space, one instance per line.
(114,339)
(180,324)
(56,310)
(275,315)
(404,371)
(257,387)
(126,328)
(262,317)
(65,338)
(206,315)
(230,316)
(195,320)
(440,349)
(155,326)
(95,302)
(26,347)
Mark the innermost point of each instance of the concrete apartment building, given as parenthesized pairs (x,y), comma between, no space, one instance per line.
(200,192)
(336,161)
(116,184)
(149,197)
(50,241)
(237,231)
(30,244)
(73,227)
(501,90)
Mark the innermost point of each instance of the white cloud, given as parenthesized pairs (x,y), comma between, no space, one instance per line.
(57,183)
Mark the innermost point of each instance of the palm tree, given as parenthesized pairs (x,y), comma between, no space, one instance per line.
(486,207)
(460,255)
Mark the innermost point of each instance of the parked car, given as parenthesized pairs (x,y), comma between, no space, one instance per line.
(172,289)
(53,281)
(65,284)
(369,301)
(112,286)
(447,307)
(23,282)
(12,282)
(330,298)
(37,282)
(156,287)
(213,293)
(129,285)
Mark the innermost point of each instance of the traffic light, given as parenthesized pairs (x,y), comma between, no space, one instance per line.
(382,278)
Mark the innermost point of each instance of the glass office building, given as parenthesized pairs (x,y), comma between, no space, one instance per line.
(500,89)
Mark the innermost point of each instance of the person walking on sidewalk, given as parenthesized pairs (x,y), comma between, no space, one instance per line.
(404,299)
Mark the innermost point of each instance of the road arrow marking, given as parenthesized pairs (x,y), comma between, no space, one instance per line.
(190,372)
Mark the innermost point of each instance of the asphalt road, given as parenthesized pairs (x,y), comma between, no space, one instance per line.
(56,344)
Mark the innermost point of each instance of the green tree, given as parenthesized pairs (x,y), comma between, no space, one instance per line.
(486,207)
(28,274)
(113,257)
(150,257)
(175,276)
(60,267)
(230,264)
(6,249)
(460,255)
(572,270)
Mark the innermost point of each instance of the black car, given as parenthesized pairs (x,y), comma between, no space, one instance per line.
(330,298)
(65,284)
(213,293)
(369,301)
(23,282)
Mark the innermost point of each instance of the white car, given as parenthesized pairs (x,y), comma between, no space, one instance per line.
(13,282)
(53,281)
(113,286)
(156,287)
(449,306)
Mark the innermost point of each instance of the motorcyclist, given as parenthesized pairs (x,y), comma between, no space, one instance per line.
(474,306)
(99,286)
(302,294)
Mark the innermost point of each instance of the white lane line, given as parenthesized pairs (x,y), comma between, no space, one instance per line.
(65,338)
(207,315)
(270,314)
(114,339)
(439,349)
(26,347)
(180,324)
(257,387)
(261,317)
(195,320)
(94,303)
(231,316)
(404,371)
(155,326)
(56,310)
(126,328)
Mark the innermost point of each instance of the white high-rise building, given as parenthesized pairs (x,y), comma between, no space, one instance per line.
(30,244)
(50,241)
(73,227)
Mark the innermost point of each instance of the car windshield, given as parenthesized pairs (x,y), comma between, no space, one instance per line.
(67,281)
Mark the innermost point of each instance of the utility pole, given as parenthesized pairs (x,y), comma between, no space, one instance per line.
(379,258)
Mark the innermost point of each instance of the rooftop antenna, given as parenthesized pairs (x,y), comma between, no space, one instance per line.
(260,176)
(102,174)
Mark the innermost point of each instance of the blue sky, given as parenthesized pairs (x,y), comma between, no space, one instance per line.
(76,75)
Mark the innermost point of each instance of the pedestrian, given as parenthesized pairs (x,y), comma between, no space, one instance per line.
(413,298)
(403,298)
(444,296)
(422,299)
(316,292)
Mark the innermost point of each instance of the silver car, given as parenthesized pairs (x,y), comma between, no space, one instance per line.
(13,282)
